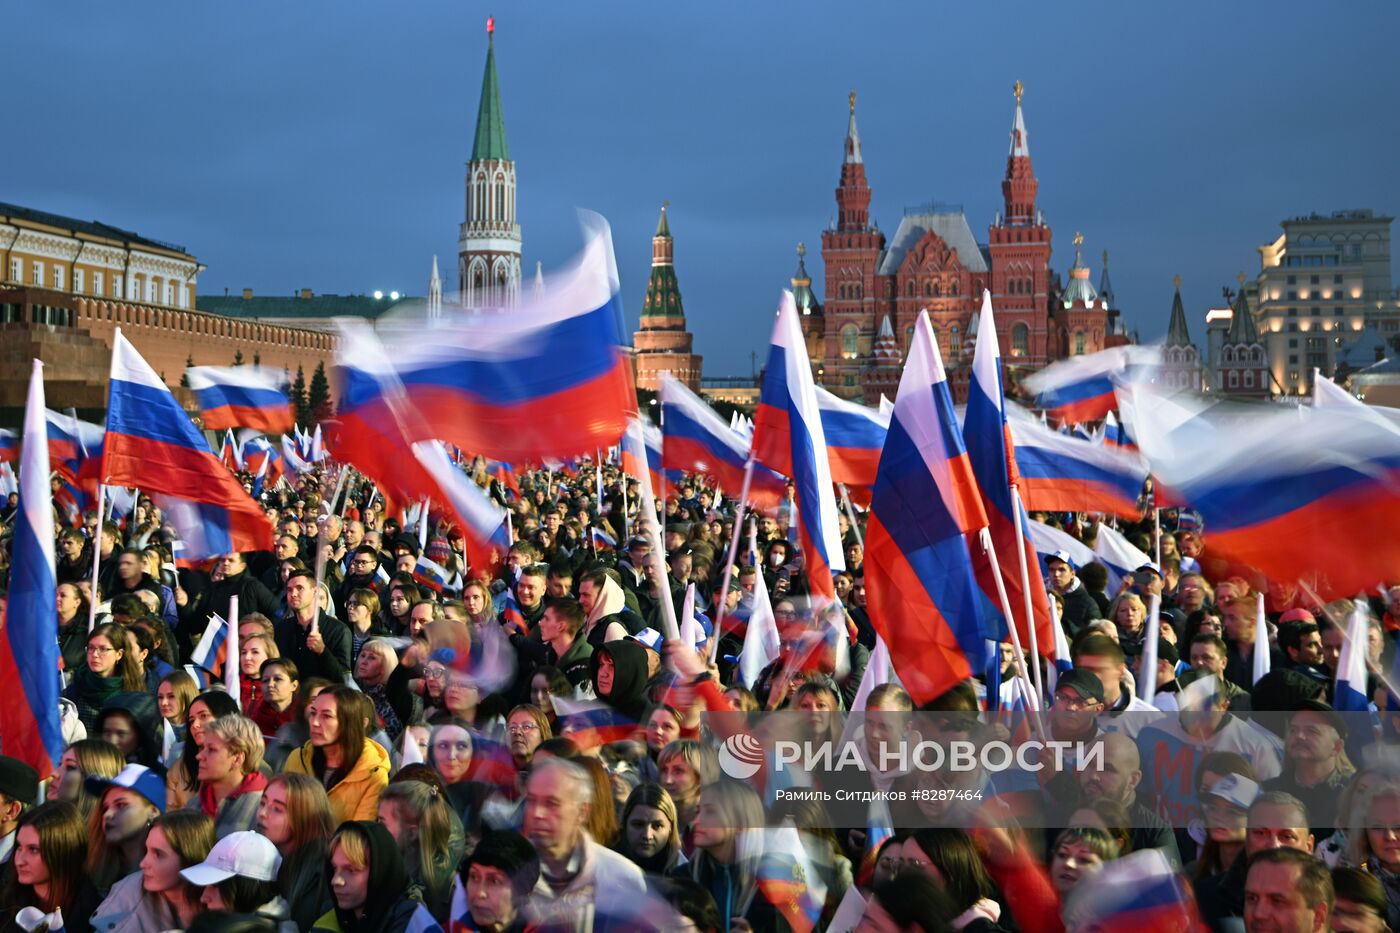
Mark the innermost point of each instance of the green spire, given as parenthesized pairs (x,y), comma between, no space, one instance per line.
(662,227)
(490,122)
(1177,333)
(663,290)
(1242,327)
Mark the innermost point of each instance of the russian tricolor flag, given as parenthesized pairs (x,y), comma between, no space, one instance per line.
(483,522)
(993,458)
(29,657)
(1062,473)
(920,590)
(788,439)
(246,396)
(230,454)
(1349,696)
(855,435)
(591,723)
(1081,388)
(1116,434)
(152,444)
(9,446)
(1299,493)
(549,379)
(697,440)
(788,878)
(602,541)
(211,653)
(75,449)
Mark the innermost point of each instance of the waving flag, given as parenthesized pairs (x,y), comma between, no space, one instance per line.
(152,444)
(1082,388)
(293,457)
(1139,893)
(1117,435)
(29,658)
(855,435)
(602,541)
(788,438)
(483,522)
(547,379)
(696,440)
(592,723)
(241,396)
(1298,494)
(762,645)
(1349,696)
(75,450)
(211,653)
(1048,540)
(789,880)
(1062,473)
(1263,657)
(1117,553)
(993,458)
(921,594)
(9,446)
(230,454)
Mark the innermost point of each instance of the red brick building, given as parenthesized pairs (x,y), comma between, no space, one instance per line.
(663,344)
(934,261)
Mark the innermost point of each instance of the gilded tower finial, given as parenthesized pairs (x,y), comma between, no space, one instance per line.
(1176,282)
(1078,239)
(801,250)
(1240,278)
(853,101)
(1018,89)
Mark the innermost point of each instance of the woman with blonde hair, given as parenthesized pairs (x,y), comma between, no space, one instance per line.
(421,820)
(1373,845)
(230,783)
(683,768)
(386,683)
(174,694)
(369,883)
(295,816)
(1129,614)
(253,650)
(724,863)
(157,897)
(650,832)
(81,760)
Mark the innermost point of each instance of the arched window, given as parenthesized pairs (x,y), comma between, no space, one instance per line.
(955,340)
(1249,378)
(1020,340)
(908,338)
(909,289)
(1234,379)
(928,289)
(850,341)
(937,290)
(1079,343)
(953,287)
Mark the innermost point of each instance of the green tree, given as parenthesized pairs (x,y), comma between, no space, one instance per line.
(299,398)
(238,358)
(318,398)
(185,376)
(257,358)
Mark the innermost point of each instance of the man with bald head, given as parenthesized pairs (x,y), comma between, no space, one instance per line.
(1118,780)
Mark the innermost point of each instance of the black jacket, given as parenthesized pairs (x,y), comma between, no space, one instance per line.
(252,596)
(332,664)
(1080,609)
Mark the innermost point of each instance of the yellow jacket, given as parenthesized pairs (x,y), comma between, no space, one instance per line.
(356,797)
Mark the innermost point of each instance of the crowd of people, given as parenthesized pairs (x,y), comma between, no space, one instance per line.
(405,753)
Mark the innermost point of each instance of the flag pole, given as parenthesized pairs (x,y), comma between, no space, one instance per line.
(233,664)
(1019,508)
(729,560)
(985,536)
(851,514)
(1346,637)
(96,558)
(1157,534)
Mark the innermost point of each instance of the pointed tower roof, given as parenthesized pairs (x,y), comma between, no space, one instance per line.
(885,350)
(537,288)
(1242,327)
(1020,139)
(663,290)
(853,136)
(434,277)
(1177,333)
(802,294)
(1105,286)
(1080,289)
(490,121)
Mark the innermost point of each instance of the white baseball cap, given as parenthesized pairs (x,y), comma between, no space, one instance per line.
(247,854)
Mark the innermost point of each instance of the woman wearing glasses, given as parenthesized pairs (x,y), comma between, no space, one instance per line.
(109,669)
(362,615)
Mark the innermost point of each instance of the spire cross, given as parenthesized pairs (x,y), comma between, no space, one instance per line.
(1018,89)
(801,250)
(1079,239)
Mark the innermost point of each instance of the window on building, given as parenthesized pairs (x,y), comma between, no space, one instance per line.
(79,281)
(955,340)
(58,277)
(1314,311)
(849,381)
(97,283)
(909,289)
(37,274)
(1079,343)
(1234,380)
(1293,358)
(1313,280)
(17,271)
(1336,280)
(1292,296)
(1020,340)
(1293,326)
(1292,342)
(118,284)
(1292,279)
(1336,312)
(1292,312)
(850,346)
